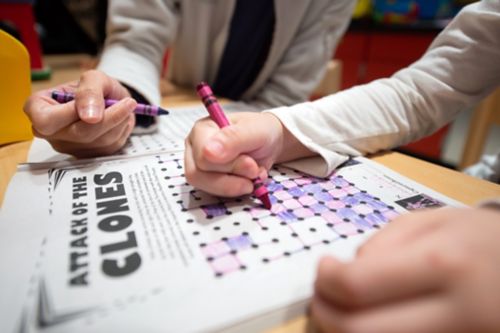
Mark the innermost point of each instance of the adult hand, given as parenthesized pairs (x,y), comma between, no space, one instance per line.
(223,161)
(82,127)
(434,271)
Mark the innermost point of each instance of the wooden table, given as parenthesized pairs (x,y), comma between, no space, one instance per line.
(454,184)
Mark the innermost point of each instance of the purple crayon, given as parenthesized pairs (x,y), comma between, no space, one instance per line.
(144,109)
(218,116)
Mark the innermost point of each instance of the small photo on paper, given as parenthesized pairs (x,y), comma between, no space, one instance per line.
(419,201)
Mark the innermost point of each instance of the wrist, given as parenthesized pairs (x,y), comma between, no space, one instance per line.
(288,147)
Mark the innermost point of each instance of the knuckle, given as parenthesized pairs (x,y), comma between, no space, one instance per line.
(349,287)
(42,122)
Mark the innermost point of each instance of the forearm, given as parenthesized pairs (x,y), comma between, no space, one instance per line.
(136,40)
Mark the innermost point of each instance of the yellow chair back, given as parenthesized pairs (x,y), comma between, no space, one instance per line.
(15,87)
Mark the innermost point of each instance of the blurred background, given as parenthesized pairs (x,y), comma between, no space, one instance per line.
(383,37)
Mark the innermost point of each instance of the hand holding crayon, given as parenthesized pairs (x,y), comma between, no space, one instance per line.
(84,127)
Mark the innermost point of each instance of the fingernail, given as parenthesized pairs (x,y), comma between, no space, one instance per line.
(91,112)
(129,102)
(215,147)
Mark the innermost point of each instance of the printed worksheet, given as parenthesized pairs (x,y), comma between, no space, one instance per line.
(128,245)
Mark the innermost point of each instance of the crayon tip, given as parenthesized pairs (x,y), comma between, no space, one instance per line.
(265,201)
(162,111)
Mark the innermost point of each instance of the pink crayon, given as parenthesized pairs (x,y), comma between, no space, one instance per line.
(144,109)
(218,116)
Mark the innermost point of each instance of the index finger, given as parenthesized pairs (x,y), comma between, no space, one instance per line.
(47,116)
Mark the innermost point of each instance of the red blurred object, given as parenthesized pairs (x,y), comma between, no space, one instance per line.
(21,15)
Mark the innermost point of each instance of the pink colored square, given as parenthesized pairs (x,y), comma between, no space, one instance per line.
(345,229)
(277,208)
(307,200)
(226,264)
(351,190)
(331,217)
(363,209)
(216,249)
(282,195)
(335,204)
(328,185)
(292,204)
(303,212)
(337,193)
(288,184)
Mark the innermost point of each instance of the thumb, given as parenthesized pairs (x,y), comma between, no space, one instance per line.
(93,87)
(89,96)
(232,141)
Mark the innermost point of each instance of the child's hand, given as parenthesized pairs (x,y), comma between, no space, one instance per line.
(434,271)
(82,127)
(223,161)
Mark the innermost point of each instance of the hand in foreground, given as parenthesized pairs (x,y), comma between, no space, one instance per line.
(223,161)
(82,127)
(434,271)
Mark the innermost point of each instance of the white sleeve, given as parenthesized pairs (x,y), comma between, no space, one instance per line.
(138,34)
(304,62)
(461,67)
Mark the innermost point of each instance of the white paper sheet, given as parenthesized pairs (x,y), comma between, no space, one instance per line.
(125,244)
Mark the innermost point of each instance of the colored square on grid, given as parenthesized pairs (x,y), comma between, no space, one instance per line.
(225,264)
(361,223)
(239,242)
(296,191)
(363,209)
(319,208)
(287,216)
(347,229)
(331,217)
(303,212)
(337,193)
(282,195)
(323,196)
(336,204)
(289,184)
(307,200)
(340,181)
(274,186)
(278,208)
(327,185)
(291,204)
(351,190)
(346,213)
(259,212)
(216,249)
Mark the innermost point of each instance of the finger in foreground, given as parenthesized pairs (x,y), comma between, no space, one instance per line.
(402,231)
(377,280)
(429,314)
